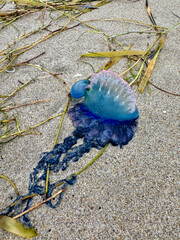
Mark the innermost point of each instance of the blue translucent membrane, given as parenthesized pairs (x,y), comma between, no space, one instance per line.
(107,96)
(106,106)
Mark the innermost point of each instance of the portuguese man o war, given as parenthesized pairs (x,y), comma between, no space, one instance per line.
(106,114)
(107,96)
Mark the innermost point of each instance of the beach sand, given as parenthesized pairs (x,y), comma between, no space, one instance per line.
(129,193)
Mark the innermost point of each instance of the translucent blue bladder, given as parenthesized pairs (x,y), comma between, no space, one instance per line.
(108,96)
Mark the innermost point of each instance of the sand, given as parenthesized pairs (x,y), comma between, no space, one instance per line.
(129,193)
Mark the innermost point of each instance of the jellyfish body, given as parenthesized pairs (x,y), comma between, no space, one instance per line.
(107,114)
(107,96)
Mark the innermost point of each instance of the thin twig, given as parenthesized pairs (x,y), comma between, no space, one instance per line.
(39,204)
(26,104)
(53,74)
(27,61)
(162,90)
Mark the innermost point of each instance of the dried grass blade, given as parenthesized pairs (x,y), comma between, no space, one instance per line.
(114,54)
(149,13)
(18,89)
(103,2)
(7,124)
(113,61)
(62,119)
(30,3)
(11,182)
(27,129)
(150,68)
(26,104)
